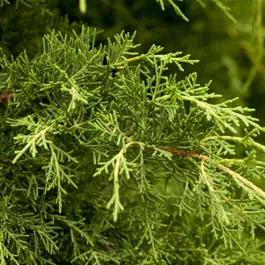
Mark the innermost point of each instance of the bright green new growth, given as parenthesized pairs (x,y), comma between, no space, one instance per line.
(106,159)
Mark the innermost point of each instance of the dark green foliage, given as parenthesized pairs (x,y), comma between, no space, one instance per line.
(23,24)
(106,158)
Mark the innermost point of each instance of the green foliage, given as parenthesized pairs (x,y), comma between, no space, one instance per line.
(113,155)
(230,53)
(23,24)
(218,3)
(107,159)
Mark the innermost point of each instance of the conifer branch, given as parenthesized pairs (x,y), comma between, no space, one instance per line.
(33,141)
(121,166)
(218,3)
(176,8)
(168,58)
(237,177)
(246,140)
(86,137)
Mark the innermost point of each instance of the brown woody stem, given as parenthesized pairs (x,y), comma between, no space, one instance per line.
(237,177)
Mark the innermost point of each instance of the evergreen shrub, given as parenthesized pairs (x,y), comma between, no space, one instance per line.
(105,158)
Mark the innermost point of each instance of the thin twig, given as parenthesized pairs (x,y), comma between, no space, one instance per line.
(237,177)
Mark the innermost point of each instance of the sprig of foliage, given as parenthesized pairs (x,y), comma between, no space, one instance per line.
(218,3)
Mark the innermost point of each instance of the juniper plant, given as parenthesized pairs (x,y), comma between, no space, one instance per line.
(106,159)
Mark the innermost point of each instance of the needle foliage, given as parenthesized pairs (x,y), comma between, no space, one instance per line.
(106,158)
